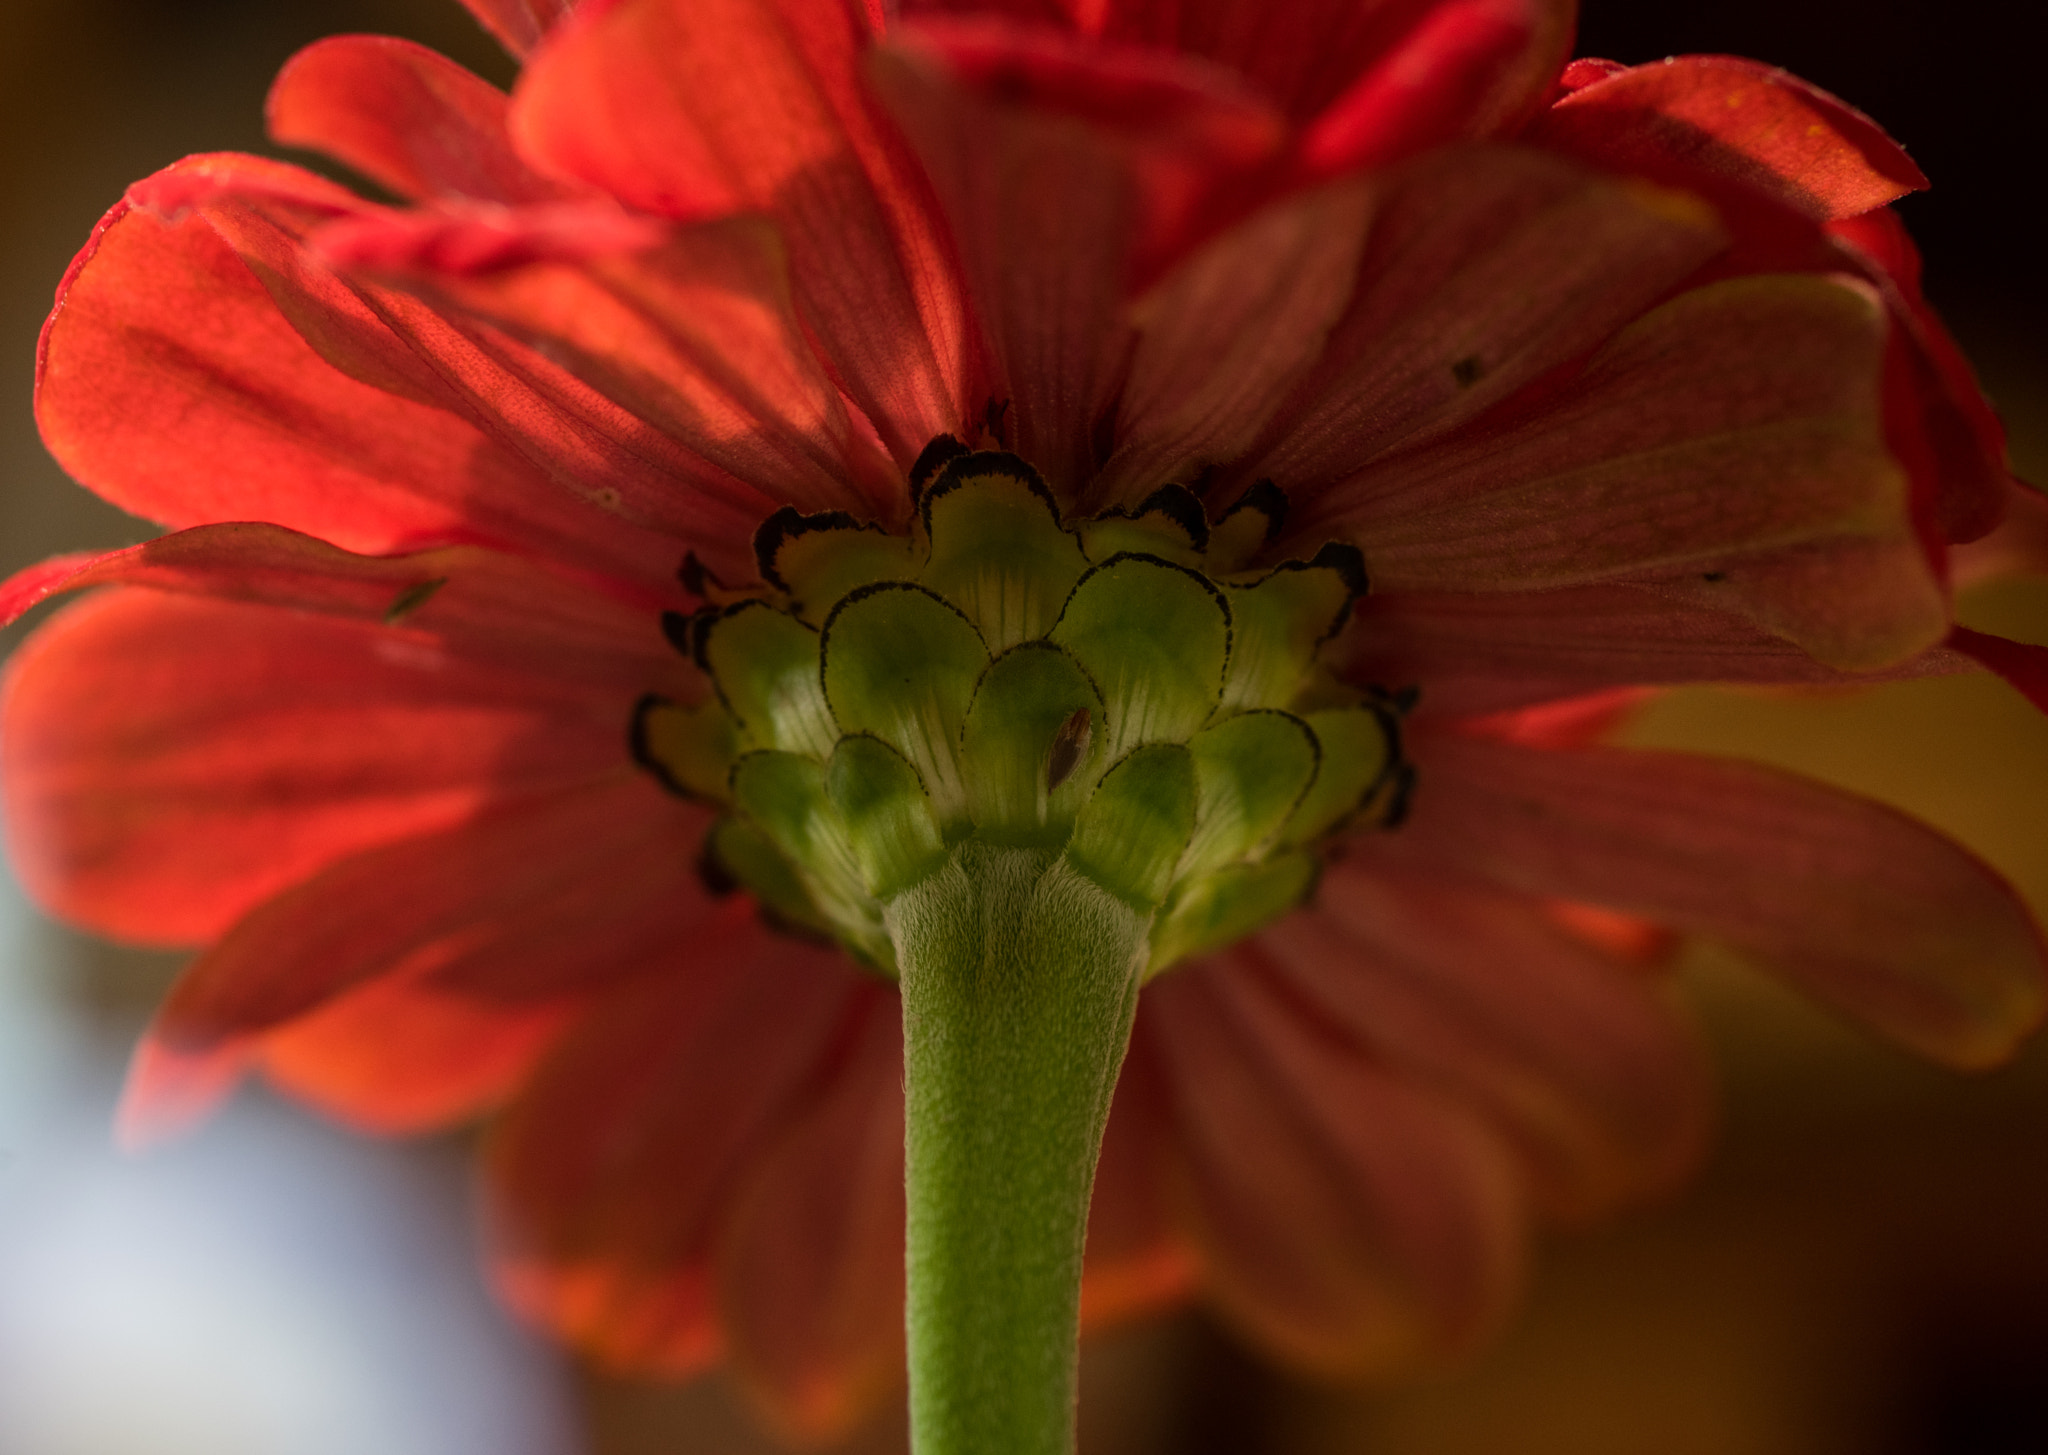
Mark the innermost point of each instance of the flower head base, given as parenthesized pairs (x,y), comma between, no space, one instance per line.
(1130,693)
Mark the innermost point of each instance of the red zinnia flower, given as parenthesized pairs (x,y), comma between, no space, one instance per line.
(1613,377)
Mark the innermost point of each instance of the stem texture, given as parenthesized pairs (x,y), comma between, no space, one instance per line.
(1019,982)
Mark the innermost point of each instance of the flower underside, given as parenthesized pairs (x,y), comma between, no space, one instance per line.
(1121,693)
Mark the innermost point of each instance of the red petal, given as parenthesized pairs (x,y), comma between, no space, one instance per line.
(2022,664)
(1736,119)
(1059,205)
(1485,268)
(689,107)
(395,1056)
(1582,1066)
(404,116)
(810,1260)
(1728,445)
(172,762)
(1350,1222)
(1860,906)
(1316,57)
(615,1171)
(530,901)
(170,383)
(603,472)
(520,24)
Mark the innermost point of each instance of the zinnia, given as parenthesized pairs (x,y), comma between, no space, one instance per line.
(1004,494)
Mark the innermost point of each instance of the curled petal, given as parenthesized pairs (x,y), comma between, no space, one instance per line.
(1858,905)
(1728,117)
(1349,1221)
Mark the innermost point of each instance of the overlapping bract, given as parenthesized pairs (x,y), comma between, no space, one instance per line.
(1617,377)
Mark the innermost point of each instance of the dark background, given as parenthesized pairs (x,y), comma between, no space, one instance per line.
(1864,1268)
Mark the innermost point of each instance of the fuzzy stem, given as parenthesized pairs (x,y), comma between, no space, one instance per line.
(1019,982)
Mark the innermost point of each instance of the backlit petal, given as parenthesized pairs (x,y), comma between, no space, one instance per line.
(170,762)
(696,107)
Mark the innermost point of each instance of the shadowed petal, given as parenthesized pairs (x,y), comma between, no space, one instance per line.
(170,762)
(1348,1221)
(692,331)
(1728,445)
(1064,173)
(1581,1064)
(1222,339)
(1860,906)
(690,108)
(1484,651)
(809,1265)
(1485,268)
(615,1171)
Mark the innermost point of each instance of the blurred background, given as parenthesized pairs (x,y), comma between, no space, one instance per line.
(1862,1269)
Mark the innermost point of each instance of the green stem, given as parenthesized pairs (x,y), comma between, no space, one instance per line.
(1019,981)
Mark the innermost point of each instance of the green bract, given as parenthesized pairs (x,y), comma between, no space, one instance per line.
(1118,694)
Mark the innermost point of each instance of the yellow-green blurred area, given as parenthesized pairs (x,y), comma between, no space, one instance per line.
(1861,1269)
